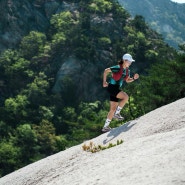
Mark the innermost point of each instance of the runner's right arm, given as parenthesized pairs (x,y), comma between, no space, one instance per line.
(108,70)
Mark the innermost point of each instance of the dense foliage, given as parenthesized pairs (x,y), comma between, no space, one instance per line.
(35,122)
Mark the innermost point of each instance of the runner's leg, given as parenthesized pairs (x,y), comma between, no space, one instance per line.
(123,98)
(113,106)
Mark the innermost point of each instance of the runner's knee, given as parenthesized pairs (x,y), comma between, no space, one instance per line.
(126,97)
(123,96)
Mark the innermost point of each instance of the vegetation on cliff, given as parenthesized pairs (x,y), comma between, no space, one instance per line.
(164,16)
(37,121)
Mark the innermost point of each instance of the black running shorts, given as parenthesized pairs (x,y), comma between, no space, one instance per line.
(113,91)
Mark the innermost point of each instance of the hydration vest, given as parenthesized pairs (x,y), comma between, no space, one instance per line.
(117,75)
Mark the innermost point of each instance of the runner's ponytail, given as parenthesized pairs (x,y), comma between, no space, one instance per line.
(120,62)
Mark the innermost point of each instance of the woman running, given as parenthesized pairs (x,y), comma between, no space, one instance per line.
(118,98)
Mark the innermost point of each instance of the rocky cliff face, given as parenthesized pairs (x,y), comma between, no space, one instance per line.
(19,17)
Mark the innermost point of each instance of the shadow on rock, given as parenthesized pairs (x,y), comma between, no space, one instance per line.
(117,131)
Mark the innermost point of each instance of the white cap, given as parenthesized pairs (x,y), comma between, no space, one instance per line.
(128,57)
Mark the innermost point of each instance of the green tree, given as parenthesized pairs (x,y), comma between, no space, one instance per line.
(102,6)
(63,22)
(65,26)
(15,71)
(47,140)
(9,157)
(32,44)
(37,90)
(139,23)
(25,138)
(16,108)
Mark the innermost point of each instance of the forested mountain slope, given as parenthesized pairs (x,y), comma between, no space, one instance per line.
(78,42)
(51,94)
(164,16)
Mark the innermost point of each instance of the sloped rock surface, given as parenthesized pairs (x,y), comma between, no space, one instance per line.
(152,153)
